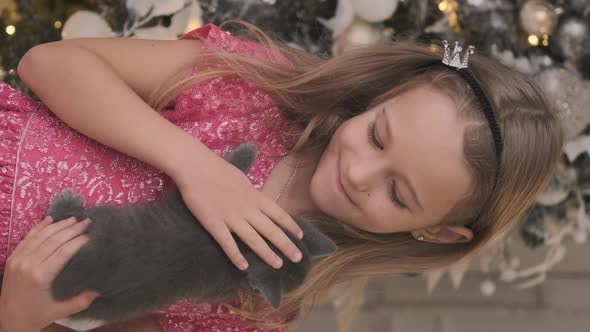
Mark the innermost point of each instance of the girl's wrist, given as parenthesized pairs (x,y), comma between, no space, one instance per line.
(17,329)
(12,327)
(8,328)
(187,159)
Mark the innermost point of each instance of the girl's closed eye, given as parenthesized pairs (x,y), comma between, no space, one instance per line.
(372,134)
(395,197)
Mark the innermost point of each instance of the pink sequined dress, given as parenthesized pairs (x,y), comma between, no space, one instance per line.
(41,156)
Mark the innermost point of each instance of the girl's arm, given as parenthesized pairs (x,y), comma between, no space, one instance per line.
(101,95)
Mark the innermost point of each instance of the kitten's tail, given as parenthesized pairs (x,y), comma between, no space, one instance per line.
(67,205)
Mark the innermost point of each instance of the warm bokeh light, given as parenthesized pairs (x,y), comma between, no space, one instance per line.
(545,41)
(193,24)
(10,29)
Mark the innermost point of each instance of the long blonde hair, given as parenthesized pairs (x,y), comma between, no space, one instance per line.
(321,93)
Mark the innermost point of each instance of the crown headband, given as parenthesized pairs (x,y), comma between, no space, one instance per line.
(453,59)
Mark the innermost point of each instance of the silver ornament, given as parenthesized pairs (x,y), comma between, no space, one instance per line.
(538,17)
(570,39)
(570,96)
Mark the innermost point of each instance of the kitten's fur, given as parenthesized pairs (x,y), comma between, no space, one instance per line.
(145,257)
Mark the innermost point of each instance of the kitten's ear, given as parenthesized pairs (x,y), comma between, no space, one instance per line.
(315,241)
(243,156)
(267,281)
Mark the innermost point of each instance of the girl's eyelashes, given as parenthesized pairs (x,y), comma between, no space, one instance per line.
(372,134)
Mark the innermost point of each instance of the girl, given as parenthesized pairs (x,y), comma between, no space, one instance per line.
(407,163)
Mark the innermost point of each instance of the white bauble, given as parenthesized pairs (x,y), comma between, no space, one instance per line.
(156,32)
(86,23)
(187,19)
(342,19)
(160,7)
(359,33)
(488,287)
(374,10)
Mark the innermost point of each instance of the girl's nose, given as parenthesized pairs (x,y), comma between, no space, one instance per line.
(361,175)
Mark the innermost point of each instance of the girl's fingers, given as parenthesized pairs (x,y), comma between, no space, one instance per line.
(253,240)
(78,303)
(282,218)
(277,236)
(56,262)
(52,244)
(223,236)
(31,243)
(44,223)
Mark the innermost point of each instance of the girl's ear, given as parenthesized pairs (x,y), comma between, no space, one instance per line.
(444,234)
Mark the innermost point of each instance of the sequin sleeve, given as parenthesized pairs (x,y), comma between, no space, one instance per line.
(215,39)
(226,111)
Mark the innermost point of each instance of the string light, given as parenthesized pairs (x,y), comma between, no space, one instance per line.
(545,41)
(10,29)
(450,7)
(533,40)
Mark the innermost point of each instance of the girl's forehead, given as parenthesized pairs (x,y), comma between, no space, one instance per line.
(422,96)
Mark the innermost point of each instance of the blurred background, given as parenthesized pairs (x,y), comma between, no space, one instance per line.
(539,278)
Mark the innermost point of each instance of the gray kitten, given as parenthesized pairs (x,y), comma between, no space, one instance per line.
(145,257)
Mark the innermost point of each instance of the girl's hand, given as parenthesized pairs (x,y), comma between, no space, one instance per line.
(26,303)
(227,202)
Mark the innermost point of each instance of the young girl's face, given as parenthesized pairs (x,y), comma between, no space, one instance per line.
(408,178)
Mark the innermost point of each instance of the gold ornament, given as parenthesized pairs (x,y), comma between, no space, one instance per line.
(538,17)
(450,8)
